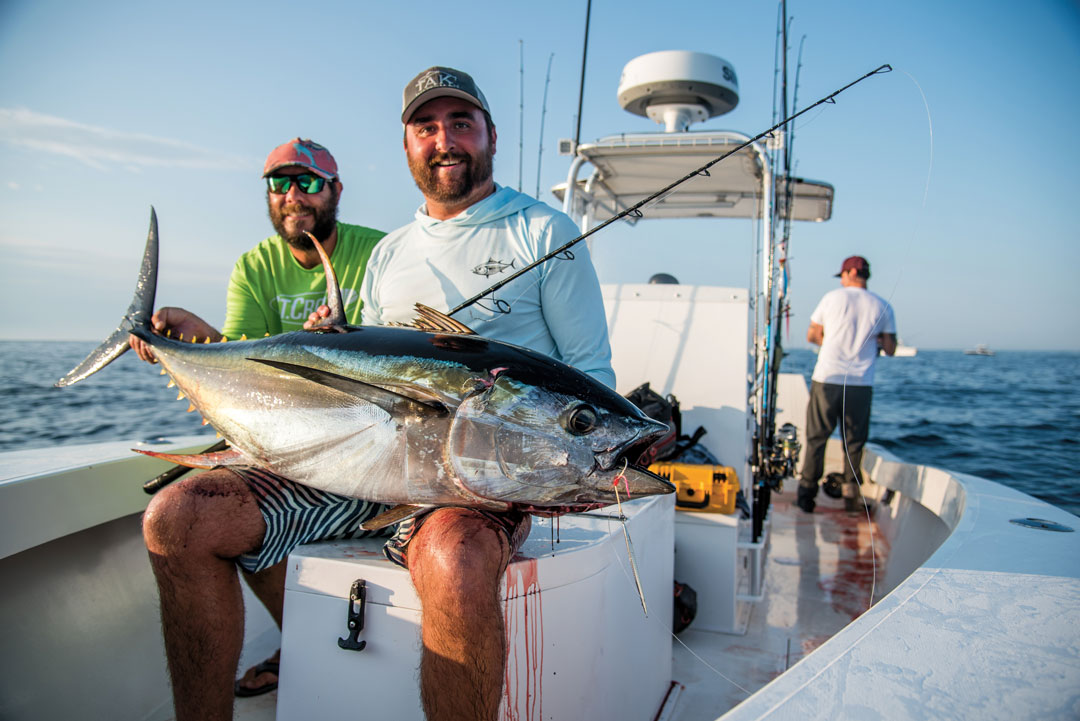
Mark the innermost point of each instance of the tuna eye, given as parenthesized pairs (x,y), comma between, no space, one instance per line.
(580,420)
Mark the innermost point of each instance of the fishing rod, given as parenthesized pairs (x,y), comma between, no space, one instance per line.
(543,112)
(581,87)
(635,209)
(777,461)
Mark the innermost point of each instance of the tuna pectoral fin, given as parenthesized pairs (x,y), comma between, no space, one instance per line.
(397,514)
(230,457)
(365,391)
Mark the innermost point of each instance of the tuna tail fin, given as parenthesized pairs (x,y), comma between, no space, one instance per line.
(137,315)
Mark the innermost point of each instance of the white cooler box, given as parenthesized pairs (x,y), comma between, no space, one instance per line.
(580,645)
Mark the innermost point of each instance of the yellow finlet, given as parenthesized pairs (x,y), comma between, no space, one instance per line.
(207,340)
(162,371)
(191,407)
(171,384)
(224,339)
(243,336)
(180,396)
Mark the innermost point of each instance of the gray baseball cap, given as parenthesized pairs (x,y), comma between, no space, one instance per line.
(438,82)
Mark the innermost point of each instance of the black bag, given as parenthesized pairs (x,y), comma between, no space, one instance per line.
(684,608)
(665,410)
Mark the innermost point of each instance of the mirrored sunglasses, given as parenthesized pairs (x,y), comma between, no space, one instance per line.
(280,184)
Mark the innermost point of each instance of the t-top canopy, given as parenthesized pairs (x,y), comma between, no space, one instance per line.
(631,167)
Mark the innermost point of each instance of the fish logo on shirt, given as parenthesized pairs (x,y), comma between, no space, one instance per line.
(492,267)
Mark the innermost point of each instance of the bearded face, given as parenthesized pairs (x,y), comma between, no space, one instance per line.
(315,213)
(449,185)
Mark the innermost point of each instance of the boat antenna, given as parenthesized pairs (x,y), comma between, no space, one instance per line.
(521,110)
(581,86)
(543,112)
(635,209)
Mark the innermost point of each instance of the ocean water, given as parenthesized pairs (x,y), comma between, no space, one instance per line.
(1013,418)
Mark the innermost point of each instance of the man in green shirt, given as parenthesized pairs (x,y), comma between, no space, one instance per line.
(277,284)
(273,289)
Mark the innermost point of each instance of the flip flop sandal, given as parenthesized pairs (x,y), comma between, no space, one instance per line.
(267,666)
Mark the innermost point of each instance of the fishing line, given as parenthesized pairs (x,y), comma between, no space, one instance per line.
(847,453)
(843,430)
(635,209)
(930,124)
(655,619)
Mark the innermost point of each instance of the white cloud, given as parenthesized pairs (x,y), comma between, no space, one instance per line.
(104,148)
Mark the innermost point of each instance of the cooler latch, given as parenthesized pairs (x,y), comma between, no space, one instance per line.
(355,622)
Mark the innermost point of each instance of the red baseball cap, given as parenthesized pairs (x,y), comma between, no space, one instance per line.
(303,153)
(857,262)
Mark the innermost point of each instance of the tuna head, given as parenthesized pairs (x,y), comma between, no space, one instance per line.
(543,447)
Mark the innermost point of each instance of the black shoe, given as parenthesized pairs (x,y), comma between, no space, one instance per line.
(859,506)
(806,503)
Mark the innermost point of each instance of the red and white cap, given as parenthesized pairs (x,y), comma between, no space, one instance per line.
(303,153)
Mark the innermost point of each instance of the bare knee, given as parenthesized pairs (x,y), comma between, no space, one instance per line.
(456,555)
(213,512)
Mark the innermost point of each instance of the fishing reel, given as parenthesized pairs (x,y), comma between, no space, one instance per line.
(783,455)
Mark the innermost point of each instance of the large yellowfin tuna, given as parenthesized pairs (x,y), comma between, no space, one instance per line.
(427,416)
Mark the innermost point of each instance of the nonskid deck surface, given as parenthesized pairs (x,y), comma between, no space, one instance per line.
(819,574)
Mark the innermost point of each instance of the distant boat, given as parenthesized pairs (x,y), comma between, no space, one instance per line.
(902,351)
(980,349)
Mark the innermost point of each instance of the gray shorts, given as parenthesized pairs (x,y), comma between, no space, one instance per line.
(295,514)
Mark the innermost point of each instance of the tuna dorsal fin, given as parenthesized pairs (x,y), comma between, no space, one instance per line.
(397,514)
(231,457)
(336,319)
(381,397)
(435,321)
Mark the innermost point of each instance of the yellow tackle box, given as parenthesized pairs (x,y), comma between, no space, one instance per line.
(701,487)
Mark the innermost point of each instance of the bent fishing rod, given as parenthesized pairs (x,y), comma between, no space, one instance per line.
(635,209)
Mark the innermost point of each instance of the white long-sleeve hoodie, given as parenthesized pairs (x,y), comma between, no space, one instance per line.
(556,308)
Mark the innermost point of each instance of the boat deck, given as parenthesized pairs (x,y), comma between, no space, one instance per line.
(820,572)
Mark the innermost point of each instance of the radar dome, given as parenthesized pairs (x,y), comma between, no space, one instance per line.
(678,87)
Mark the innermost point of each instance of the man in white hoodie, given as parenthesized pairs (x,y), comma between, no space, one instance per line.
(468,233)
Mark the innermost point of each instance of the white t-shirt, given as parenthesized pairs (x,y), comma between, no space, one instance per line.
(852,318)
(556,308)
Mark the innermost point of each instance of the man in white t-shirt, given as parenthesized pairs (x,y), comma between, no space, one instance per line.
(851,325)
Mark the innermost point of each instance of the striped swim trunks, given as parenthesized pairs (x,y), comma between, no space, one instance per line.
(296,514)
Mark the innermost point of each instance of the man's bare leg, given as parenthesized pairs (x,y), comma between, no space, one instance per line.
(269,587)
(193,529)
(456,561)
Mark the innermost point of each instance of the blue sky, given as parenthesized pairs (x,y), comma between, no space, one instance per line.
(964,205)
